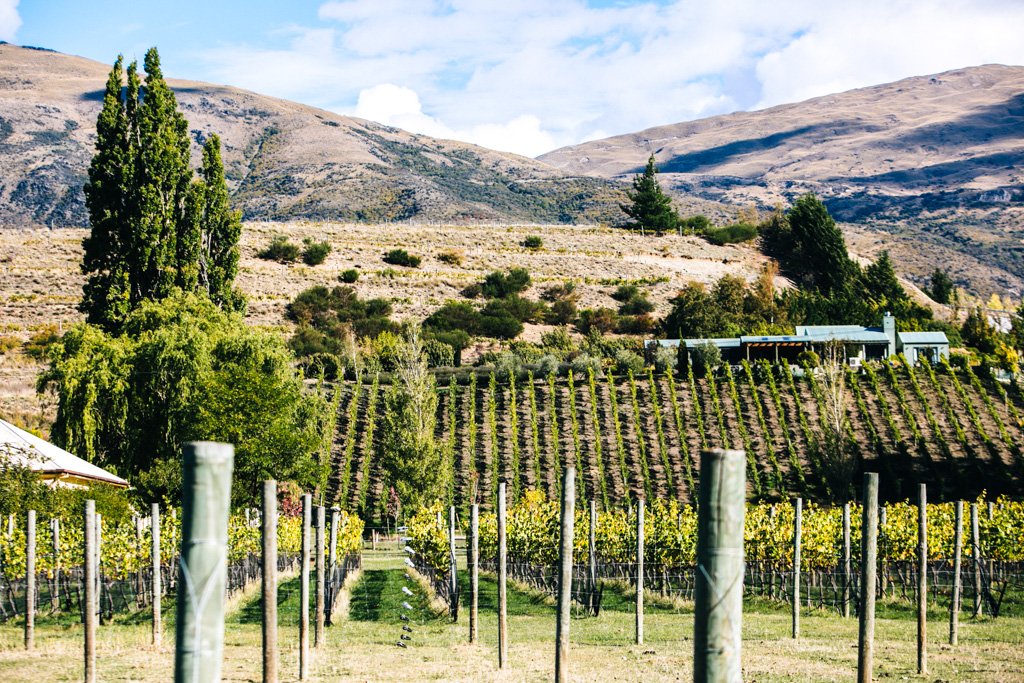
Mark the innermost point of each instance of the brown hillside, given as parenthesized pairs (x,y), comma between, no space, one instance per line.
(928,167)
(283,160)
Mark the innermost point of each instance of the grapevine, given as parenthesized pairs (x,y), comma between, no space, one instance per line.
(696,408)
(677,415)
(592,385)
(660,428)
(641,441)
(763,423)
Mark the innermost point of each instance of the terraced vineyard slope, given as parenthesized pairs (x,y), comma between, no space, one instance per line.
(641,436)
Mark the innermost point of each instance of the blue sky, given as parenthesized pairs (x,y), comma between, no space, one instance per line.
(531,75)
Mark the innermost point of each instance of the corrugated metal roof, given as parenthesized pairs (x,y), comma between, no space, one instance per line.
(727,343)
(816,330)
(923,338)
(29,450)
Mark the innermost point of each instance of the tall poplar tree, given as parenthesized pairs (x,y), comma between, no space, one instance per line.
(153,228)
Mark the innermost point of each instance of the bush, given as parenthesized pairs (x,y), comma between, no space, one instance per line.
(627,361)
(506,363)
(624,293)
(533,242)
(665,358)
(315,253)
(562,312)
(636,324)
(454,315)
(731,234)
(328,311)
(498,285)
(452,258)
(500,325)
(520,308)
(696,225)
(808,357)
(400,257)
(8,342)
(581,363)
(438,354)
(548,364)
(705,358)
(349,276)
(564,290)
(559,340)
(602,320)
(322,364)
(280,250)
(40,342)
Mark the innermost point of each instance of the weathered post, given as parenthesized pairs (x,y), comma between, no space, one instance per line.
(140,580)
(922,580)
(55,538)
(89,604)
(157,588)
(332,562)
(592,557)
(307,511)
(99,568)
(847,568)
(30,580)
(321,534)
(958,546)
(640,571)
(206,501)
(269,548)
(473,552)
(869,560)
(797,533)
(718,579)
(502,580)
(453,574)
(565,575)
(976,559)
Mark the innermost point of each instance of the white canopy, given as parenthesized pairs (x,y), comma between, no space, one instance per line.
(53,463)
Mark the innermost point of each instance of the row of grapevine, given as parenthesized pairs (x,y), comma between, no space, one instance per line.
(640,436)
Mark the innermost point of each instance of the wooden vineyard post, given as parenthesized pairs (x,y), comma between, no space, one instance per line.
(473,552)
(307,505)
(592,558)
(55,537)
(157,589)
(847,569)
(269,558)
(797,532)
(640,571)
(976,559)
(30,579)
(89,581)
(321,583)
(206,502)
(565,575)
(958,546)
(453,574)
(869,560)
(922,580)
(332,562)
(99,568)
(502,580)
(140,580)
(718,579)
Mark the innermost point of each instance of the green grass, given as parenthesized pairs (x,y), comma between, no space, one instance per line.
(362,647)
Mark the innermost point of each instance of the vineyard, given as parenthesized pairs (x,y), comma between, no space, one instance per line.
(641,436)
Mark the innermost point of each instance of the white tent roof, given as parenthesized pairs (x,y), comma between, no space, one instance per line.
(53,462)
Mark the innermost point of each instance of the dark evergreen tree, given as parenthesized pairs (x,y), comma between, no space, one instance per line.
(153,228)
(819,250)
(649,207)
(941,287)
(881,284)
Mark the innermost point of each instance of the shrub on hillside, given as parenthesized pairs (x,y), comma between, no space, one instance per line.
(498,285)
(533,242)
(451,258)
(562,312)
(400,257)
(322,365)
(636,324)
(628,361)
(602,320)
(41,340)
(349,276)
(438,354)
(731,234)
(280,250)
(705,358)
(315,253)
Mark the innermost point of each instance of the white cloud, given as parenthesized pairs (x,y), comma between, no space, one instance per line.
(10,20)
(541,72)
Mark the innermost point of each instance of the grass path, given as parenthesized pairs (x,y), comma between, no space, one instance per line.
(362,646)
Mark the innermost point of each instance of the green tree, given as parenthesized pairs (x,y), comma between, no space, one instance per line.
(649,207)
(818,253)
(977,333)
(153,228)
(940,287)
(181,370)
(881,284)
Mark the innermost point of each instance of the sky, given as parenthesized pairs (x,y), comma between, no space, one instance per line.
(529,76)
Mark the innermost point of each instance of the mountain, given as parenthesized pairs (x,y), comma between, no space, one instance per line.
(284,160)
(931,167)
